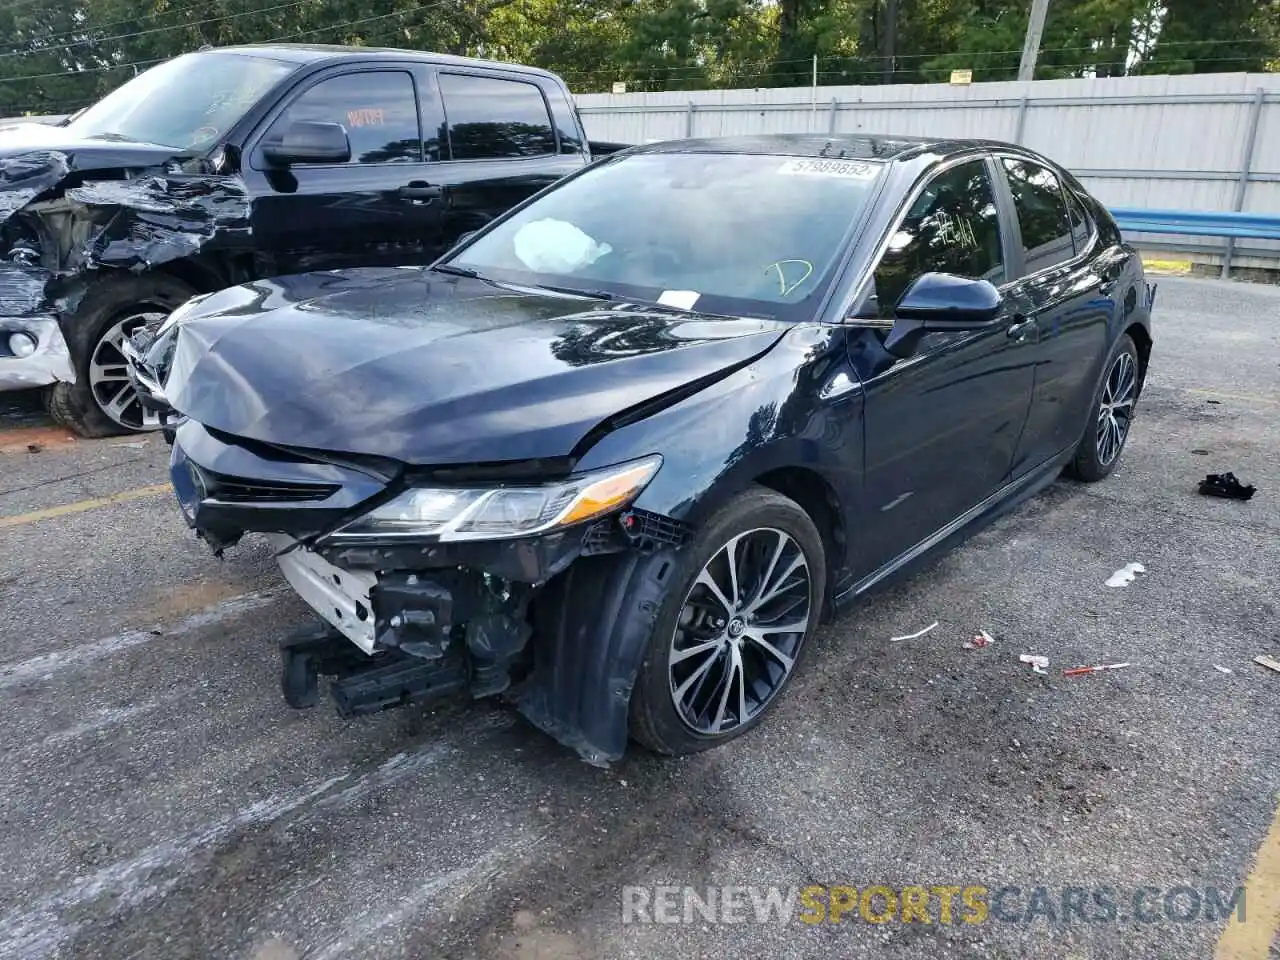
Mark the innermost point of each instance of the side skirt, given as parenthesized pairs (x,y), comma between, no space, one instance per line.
(964,526)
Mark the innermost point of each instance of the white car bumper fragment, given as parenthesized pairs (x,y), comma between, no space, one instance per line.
(340,596)
(50,363)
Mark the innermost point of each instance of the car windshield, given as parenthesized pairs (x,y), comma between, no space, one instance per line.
(187,103)
(720,232)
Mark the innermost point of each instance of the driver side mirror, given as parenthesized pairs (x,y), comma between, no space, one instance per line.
(942,303)
(308,141)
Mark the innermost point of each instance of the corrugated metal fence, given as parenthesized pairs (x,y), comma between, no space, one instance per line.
(1206,142)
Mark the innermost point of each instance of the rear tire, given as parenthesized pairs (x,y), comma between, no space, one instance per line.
(780,577)
(114,306)
(1110,415)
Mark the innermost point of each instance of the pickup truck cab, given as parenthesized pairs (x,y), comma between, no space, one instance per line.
(239,163)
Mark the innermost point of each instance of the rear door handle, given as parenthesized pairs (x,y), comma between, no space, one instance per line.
(1021,328)
(421,190)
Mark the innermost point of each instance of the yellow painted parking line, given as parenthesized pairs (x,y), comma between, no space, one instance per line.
(1242,397)
(1251,938)
(1164,266)
(81,506)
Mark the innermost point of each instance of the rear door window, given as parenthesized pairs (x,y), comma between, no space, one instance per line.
(1042,214)
(492,118)
(378,109)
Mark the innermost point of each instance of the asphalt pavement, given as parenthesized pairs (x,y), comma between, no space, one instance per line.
(159,800)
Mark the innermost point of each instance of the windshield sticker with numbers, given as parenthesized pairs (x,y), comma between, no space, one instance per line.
(811,166)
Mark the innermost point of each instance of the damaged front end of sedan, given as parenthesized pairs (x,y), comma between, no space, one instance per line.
(366,461)
(454,582)
(69,216)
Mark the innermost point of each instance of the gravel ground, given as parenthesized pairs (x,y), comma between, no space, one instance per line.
(159,800)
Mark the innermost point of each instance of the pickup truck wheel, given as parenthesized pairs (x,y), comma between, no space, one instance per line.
(102,402)
(734,628)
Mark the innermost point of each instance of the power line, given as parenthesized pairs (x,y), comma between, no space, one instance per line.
(76,73)
(102,26)
(354,23)
(301,33)
(153,30)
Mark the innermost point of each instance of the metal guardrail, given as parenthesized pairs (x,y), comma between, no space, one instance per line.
(1199,223)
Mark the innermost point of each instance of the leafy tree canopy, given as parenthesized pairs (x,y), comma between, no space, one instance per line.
(61,55)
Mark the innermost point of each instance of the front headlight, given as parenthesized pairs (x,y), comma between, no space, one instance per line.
(497,513)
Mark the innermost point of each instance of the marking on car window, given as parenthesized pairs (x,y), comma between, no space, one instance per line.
(783,287)
(848,169)
(367,117)
(954,231)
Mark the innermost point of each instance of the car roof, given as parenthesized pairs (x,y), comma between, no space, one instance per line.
(307,53)
(835,146)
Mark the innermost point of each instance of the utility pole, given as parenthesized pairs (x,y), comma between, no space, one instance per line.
(890,38)
(1031,48)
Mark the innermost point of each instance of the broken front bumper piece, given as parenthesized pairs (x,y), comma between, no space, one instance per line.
(418,635)
(33,353)
(559,621)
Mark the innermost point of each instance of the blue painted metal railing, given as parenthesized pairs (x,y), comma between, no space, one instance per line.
(1198,223)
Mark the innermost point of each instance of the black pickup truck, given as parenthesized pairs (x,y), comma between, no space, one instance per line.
(239,163)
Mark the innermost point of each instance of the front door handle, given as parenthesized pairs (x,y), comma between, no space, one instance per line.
(1021,328)
(421,190)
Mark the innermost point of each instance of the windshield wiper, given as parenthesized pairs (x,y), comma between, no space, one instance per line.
(458,271)
(575,292)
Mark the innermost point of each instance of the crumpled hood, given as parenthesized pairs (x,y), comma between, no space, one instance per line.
(433,370)
(82,153)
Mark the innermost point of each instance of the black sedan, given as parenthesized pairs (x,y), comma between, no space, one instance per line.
(619,453)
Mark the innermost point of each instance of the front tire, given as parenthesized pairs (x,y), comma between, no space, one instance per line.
(1110,415)
(102,402)
(734,628)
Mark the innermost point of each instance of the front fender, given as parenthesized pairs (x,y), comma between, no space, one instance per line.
(595,621)
(776,413)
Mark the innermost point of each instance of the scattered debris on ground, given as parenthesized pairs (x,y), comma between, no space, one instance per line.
(983,639)
(1271,663)
(1039,664)
(916,635)
(1221,669)
(1125,575)
(1226,486)
(1081,671)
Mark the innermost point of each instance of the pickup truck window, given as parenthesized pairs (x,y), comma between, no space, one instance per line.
(492,118)
(378,109)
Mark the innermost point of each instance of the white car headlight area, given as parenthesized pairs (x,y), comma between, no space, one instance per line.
(505,512)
